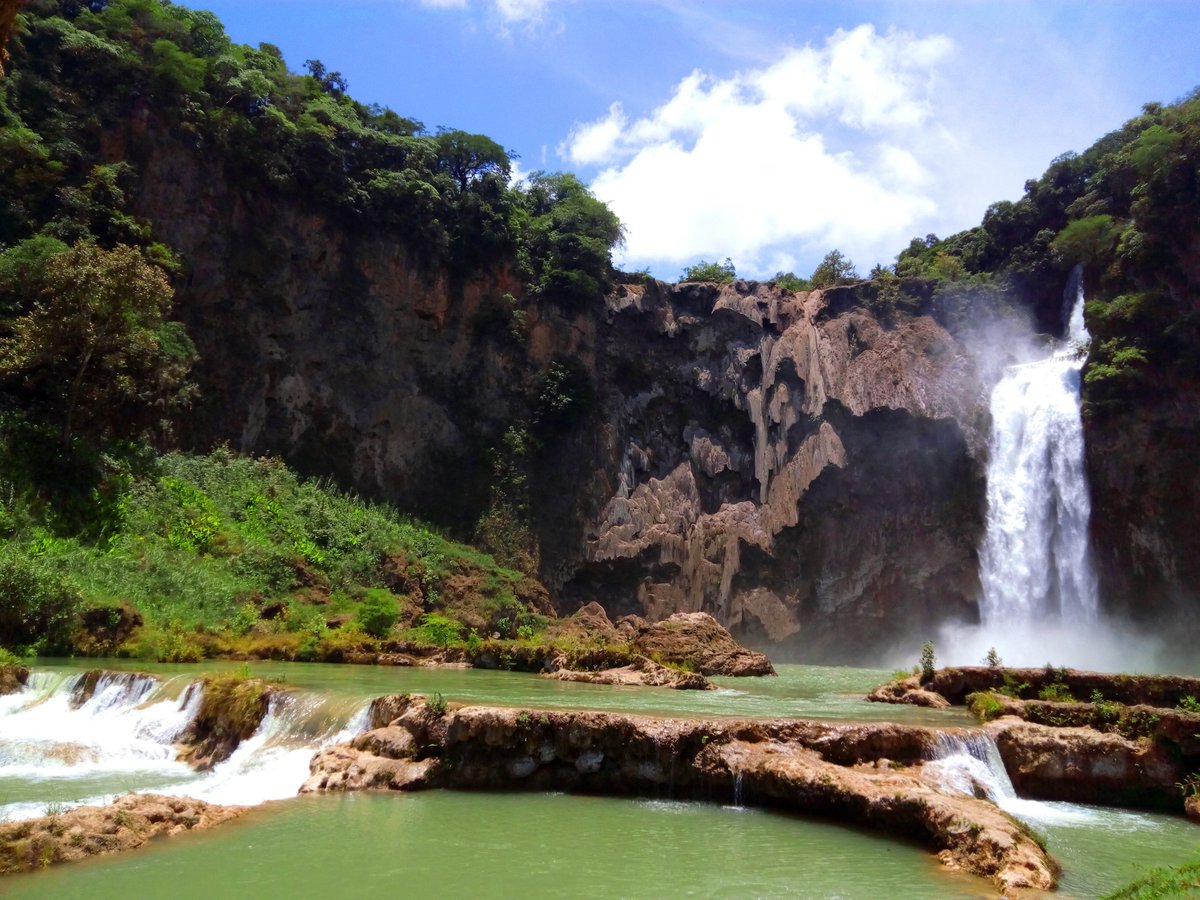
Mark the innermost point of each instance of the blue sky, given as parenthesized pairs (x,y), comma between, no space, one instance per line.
(768,132)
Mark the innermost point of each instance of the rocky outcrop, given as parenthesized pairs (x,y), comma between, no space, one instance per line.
(908,690)
(231,710)
(1128,748)
(698,640)
(125,824)
(866,774)
(1089,766)
(12,678)
(1165,691)
(801,475)
(642,672)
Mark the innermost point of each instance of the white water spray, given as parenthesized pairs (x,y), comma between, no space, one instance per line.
(970,764)
(1034,562)
(53,748)
(1039,600)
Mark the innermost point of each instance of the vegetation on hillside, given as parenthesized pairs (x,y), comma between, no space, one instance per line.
(1126,210)
(85,76)
(190,556)
(108,543)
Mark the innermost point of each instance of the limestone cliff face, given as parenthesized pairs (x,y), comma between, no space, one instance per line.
(782,461)
(328,344)
(808,478)
(1145,481)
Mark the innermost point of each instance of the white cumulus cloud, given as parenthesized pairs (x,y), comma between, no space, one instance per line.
(830,146)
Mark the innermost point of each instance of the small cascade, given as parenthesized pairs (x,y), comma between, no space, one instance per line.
(85,737)
(971,764)
(737,790)
(1035,564)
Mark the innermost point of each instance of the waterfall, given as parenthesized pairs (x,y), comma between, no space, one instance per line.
(1034,561)
(57,744)
(970,764)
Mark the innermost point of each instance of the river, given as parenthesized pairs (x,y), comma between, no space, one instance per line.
(487,844)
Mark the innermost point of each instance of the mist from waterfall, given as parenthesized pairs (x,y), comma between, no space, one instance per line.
(1039,598)
(1035,563)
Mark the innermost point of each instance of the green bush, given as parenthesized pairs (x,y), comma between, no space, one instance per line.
(1056,693)
(985,705)
(438,629)
(377,612)
(790,281)
(40,609)
(1189,704)
(721,273)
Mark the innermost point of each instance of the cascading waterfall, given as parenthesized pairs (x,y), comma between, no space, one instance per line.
(970,764)
(55,749)
(1034,562)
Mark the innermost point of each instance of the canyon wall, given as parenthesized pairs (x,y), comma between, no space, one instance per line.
(809,476)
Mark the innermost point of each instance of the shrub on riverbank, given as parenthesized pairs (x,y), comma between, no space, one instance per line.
(178,557)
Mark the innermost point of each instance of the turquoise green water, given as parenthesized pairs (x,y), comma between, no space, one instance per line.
(505,845)
(813,692)
(501,845)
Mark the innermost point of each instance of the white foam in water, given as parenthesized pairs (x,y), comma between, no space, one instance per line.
(971,764)
(128,729)
(273,763)
(120,729)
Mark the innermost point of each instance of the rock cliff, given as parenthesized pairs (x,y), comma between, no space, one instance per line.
(783,461)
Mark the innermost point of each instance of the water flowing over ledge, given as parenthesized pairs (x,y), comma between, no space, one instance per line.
(87,737)
(863,774)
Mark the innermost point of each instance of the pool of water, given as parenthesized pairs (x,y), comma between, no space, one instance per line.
(811,692)
(444,843)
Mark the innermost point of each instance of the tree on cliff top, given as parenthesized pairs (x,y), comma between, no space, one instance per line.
(467,157)
(834,269)
(721,273)
(95,349)
(567,237)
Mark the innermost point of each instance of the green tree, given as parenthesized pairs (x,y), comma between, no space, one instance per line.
(439,629)
(567,237)
(721,273)
(467,157)
(834,269)
(790,281)
(96,345)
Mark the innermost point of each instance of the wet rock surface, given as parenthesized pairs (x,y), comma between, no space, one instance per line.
(1151,690)
(643,672)
(12,678)
(231,710)
(865,774)
(697,639)
(1126,748)
(125,824)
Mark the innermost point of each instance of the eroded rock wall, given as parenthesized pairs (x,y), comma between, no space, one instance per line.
(803,472)
(810,479)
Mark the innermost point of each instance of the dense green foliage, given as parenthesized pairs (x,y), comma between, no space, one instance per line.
(99,532)
(789,281)
(720,273)
(83,76)
(1126,210)
(1162,882)
(229,546)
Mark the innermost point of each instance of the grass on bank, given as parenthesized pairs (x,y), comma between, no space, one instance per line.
(179,557)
